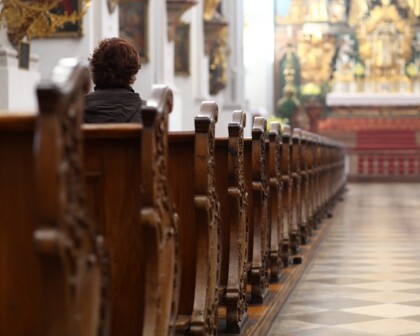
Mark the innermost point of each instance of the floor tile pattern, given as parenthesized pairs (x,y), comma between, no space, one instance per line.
(365,279)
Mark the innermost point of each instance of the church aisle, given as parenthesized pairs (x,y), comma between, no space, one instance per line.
(365,279)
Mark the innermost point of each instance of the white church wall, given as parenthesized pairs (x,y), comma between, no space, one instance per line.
(194,88)
(98,23)
(259,56)
(232,97)
(17,85)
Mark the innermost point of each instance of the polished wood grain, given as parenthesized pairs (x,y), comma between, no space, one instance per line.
(275,201)
(126,167)
(286,187)
(192,180)
(230,187)
(296,206)
(54,277)
(258,214)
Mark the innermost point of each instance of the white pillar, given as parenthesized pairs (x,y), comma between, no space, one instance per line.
(259,56)
(194,88)
(17,86)
(232,97)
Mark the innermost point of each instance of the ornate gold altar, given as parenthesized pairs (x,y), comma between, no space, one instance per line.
(366,55)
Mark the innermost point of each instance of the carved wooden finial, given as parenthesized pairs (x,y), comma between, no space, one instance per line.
(162,97)
(297,134)
(286,131)
(238,123)
(259,126)
(209,109)
(208,115)
(239,117)
(275,128)
(158,217)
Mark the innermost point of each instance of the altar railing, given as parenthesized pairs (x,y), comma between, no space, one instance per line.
(401,164)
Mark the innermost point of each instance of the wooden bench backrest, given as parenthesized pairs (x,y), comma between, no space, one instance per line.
(56,283)
(191,177)
(126,167)
(257,210)
(275,206)
(230,186)
(21,297)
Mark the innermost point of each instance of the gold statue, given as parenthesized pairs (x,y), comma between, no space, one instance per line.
(358,9)
(337,11)
(34,18)
(385,47)
(317,11)
(218,63)
(296,14)
(315,53)
(210,9)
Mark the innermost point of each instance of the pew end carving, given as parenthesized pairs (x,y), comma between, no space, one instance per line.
(158,218)
(200,228)
(295,239)
(73,261)
(286,187)
(237,222)
(275,206)
(258,241)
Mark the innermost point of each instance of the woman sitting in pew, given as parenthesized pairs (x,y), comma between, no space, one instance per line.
(114,65)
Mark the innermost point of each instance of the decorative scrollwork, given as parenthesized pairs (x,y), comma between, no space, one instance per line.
(35,18)
(159,218)
(73,260)
(236,313)
(259,265)
(207,209)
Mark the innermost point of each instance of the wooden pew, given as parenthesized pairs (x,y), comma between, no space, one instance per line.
(305,167)
(275,201)
(286,187)
(295,238)
(53,268)
(317,180)
(125,173)
(233,196)
(192,183)
(257,185)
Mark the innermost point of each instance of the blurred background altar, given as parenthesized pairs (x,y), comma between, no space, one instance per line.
(350,69)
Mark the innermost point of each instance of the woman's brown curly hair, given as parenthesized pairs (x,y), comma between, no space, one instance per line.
(114,63)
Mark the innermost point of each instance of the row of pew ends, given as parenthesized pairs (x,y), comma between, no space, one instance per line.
(124,229)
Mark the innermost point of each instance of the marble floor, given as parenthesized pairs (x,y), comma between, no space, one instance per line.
(365,279)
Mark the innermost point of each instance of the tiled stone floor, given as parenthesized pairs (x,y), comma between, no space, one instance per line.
(365,279)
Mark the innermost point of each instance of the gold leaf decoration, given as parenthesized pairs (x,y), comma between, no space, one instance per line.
(34,18)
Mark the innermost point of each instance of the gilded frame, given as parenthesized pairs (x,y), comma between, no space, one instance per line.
(182,49)
(69,29)
(134,23)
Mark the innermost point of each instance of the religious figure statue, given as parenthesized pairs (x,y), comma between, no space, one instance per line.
(317,11)
(358,9)
(316,53)
(210,9)
(337,11)
(345,53)
(384,46)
